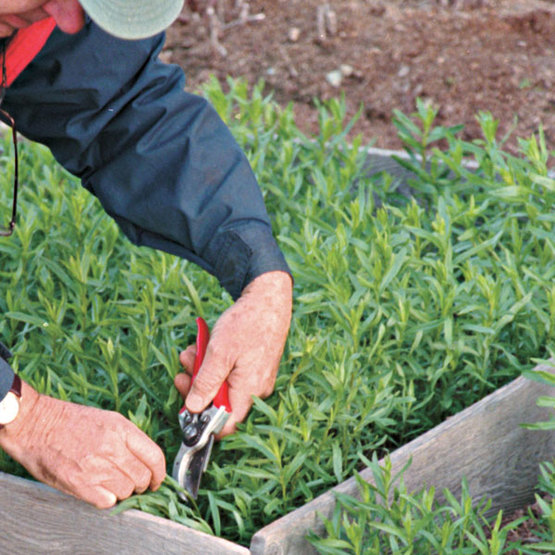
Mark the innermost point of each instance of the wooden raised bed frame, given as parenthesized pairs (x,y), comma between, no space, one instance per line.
(484,443)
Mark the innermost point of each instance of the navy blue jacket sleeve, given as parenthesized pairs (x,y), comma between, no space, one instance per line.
(6,372)
(159,159)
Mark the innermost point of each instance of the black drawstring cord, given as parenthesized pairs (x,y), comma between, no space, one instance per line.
(6,118)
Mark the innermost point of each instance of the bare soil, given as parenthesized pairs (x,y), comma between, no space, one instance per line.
(527,532)
(465,56)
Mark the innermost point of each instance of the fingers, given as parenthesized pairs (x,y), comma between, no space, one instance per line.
(98,496)
(182,383)
(138,474)
(240,399)
(119,484)
(198,393)
(212,374)
(187,358)
(241,392)
(150,455)
(100,481)
(241,408)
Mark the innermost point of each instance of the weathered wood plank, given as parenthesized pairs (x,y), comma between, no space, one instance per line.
(483,443)
(37,519)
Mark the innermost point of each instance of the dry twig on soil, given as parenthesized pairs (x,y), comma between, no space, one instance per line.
(221,15)
(326,21)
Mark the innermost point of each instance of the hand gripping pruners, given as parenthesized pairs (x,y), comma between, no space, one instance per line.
(199,429)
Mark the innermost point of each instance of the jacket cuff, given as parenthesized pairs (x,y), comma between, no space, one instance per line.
(240,255)
(6,372)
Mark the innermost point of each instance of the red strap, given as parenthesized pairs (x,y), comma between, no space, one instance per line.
(26,44)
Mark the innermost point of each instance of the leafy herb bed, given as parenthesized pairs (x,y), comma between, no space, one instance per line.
(404,314)
(389,519)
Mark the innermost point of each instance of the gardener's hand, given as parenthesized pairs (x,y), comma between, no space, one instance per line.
(93,454)
(245,348)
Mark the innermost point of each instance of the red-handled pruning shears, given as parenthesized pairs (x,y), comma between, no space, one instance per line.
(199,429)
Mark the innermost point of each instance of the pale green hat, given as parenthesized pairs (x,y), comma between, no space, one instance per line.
(133,19)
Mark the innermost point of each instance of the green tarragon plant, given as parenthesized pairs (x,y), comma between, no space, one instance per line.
(388,519)
(406,309)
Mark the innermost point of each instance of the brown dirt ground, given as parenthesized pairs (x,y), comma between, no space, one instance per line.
(489,55)
(527,531)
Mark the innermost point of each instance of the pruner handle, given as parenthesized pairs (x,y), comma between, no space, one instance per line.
(203,335)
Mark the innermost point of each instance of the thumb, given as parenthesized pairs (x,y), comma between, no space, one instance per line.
(207,382)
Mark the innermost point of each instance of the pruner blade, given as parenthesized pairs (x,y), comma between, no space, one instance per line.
(199,429)
(196,468)
(194,453)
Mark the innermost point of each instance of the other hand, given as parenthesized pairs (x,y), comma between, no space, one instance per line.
(96,455)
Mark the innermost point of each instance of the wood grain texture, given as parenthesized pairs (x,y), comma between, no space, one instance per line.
(484,443)
(37,520)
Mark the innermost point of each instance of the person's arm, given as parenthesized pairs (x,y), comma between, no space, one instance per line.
(168,170)
(160,160)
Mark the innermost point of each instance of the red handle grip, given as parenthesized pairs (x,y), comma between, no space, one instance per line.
(203,335)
